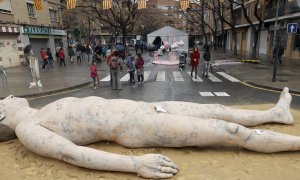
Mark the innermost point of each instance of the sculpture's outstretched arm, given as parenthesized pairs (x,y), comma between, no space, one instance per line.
(47,143)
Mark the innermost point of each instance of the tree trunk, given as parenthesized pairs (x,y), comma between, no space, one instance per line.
(234,36)
(254,52)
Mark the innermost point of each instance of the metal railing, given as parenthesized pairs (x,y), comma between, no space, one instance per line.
(285,9)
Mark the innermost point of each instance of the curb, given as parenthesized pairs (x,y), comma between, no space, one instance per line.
(53,91)
(271,88)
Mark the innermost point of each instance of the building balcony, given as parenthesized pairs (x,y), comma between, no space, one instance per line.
(286,9)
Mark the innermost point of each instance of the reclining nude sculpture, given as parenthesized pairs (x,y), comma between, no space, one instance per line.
(59,132)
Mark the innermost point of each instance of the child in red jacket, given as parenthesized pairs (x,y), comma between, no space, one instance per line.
(94,75)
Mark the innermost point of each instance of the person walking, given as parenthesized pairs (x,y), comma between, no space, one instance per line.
(98,51)
(131,68)
(115,64)
(206,57)
(61,55)
(89,52)
(94,75)
(44,58)
(78,55)
(50,57)
(71,53)
(103,52)
(139,63)
(280,53)
(57,48)
(195,56)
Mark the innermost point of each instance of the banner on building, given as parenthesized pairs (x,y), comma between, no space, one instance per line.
(71,4)
(38,5)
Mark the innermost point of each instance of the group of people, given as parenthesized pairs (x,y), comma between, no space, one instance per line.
(116,65)
(195,60)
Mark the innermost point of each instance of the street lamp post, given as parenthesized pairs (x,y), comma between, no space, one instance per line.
(276,45)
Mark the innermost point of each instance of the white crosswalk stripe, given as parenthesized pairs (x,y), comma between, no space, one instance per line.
(220,94)
(230,78)
(198,79)
(125,78)
(146,75)
(161,76)
(177,76)
(107,78)
(213,78)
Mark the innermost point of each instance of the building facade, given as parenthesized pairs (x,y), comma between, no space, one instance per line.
(21,25)
(288,12)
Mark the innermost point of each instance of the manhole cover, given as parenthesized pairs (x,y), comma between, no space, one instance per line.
(282,74)
(283,80)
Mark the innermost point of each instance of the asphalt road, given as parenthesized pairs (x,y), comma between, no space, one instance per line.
(167,83)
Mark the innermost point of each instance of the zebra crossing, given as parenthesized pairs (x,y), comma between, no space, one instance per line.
(179,76)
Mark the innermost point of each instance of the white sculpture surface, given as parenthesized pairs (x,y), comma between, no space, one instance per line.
(59,132)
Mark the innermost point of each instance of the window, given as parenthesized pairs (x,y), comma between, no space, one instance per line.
(30,9)
(297,41)
(53,15)
(5,7)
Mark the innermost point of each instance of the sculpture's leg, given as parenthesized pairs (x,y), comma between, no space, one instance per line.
(47,143)
(165,130)
(280,113)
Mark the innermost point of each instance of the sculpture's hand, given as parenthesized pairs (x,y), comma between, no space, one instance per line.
(156,166)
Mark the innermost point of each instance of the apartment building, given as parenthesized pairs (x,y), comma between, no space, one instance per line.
(170,9)
(288,12)
(21,25)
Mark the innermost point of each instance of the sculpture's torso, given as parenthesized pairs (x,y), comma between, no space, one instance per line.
(91,119)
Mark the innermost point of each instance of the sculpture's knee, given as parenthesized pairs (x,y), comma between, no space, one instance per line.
(233,128)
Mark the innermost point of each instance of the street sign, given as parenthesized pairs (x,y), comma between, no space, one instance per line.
(292,27)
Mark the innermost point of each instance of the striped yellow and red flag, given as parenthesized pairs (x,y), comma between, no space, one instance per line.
(184,4)
(38,5)
(142,4)
(107,4)
(71,4)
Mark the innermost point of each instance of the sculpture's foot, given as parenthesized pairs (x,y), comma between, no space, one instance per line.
(39,83)
(32,84)
(282,111)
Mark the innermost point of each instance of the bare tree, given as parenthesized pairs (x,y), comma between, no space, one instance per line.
(256,28)
(121,17)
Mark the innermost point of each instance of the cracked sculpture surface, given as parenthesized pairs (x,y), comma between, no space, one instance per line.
(59,132)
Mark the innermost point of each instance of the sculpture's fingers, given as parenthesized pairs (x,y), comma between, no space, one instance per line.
(166,158)
(162,175)
(168,170)
(169,164)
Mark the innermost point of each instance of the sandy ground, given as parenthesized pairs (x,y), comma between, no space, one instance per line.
(210,163)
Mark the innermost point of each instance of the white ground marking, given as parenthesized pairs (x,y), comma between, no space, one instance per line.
(213,78)
(198,79)
(161,76)
(221,94)
(125,78)
(146,75)
(206,94)
(107,78)
(230,78)
(177,76)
